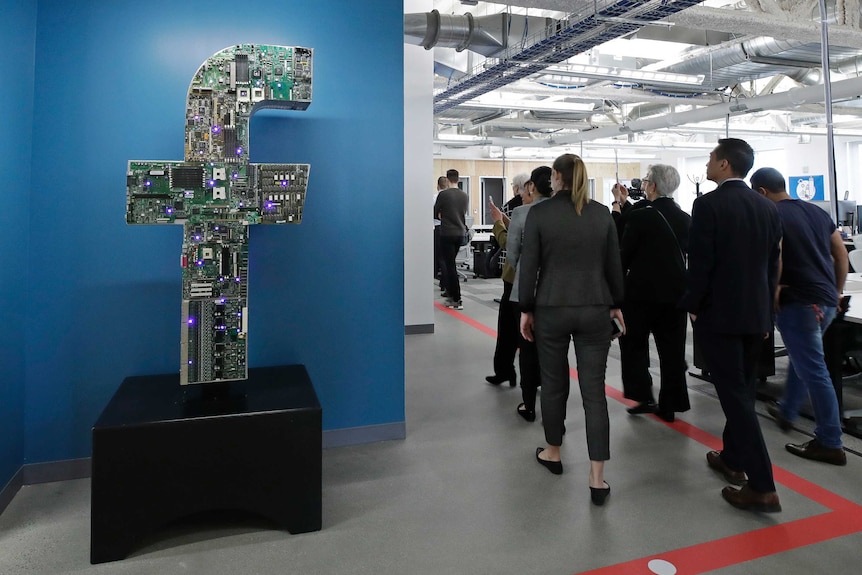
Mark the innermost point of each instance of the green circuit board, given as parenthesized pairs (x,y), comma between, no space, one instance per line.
(216,193)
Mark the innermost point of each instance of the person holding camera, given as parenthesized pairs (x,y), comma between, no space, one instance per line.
(621,208)
(653,253)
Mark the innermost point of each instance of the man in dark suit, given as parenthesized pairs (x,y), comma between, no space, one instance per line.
(733,264)
(653,248)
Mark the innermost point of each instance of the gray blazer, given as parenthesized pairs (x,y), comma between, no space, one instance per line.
(516,239)
(569,259)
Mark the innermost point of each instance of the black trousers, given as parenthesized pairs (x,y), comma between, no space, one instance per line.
(668,327)
(589,327)
(731,360)
(528,362)
(507,335)
(449,246)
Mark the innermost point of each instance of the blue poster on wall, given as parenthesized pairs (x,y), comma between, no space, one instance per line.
(808,188)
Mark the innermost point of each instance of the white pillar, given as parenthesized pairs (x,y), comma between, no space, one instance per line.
(419,182)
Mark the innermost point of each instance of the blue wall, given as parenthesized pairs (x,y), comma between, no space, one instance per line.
(104,298)
(17,38)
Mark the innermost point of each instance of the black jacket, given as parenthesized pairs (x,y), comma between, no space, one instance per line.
(652,252)
(733,260)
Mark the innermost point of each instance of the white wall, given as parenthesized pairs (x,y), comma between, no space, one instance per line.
(419,181)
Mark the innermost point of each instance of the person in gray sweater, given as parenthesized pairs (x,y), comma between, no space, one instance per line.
(451,208)
(538,190)
(571,288)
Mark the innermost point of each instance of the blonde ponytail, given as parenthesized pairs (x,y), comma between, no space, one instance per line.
(574,175)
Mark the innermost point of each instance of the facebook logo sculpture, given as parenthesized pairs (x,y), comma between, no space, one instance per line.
(216,194)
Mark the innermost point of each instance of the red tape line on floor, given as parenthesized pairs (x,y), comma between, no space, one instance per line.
(845,517)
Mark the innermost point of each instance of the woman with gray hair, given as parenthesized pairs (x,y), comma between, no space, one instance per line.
(653,253)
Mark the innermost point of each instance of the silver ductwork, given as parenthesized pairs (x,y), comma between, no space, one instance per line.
(781,101)
(743,61)
(489,36)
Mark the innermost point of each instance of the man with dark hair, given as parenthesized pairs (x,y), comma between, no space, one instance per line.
(451,209)
(733,264)
(813,269)
(442,184)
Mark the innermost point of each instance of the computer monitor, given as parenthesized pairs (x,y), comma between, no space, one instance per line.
(825,206)
(847,214)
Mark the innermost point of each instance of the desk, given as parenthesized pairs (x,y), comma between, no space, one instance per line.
(841,337)
(162,451)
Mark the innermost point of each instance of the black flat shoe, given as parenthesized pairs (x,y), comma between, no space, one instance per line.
(528,414)
(599,495)
(642,407)
(555,467)
(498,379)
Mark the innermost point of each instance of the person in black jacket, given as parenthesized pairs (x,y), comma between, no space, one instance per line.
(733,253)
(653,253)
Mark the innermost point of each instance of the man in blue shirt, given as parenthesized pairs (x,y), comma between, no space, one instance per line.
(813,269)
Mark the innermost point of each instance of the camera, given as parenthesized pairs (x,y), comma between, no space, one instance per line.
(635,191)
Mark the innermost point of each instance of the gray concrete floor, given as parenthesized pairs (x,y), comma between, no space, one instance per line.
(463,494)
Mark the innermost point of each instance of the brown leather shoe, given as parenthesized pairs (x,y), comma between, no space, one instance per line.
(750,500)
(714,460)
(814,450)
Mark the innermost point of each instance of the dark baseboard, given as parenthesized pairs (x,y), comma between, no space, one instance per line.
(366,434)
(418,328)
(57,471)
(11,489)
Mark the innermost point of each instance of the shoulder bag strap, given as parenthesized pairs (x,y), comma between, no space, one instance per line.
(673,235)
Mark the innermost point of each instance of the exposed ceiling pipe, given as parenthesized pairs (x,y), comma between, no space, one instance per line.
(606,19)
(748,23)
(488,35)
(646,110)
(717,65)
(790,99)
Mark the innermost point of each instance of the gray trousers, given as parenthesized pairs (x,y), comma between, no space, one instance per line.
(590,329)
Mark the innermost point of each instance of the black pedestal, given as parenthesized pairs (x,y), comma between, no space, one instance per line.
(162,452)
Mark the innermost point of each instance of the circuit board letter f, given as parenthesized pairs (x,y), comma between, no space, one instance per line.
(216,194)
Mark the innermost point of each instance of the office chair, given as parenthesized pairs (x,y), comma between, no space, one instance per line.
(856,260)
(462,260)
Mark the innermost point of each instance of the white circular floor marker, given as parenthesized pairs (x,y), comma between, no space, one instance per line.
(661,567)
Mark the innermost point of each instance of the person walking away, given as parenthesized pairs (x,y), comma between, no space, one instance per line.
(507,324)
(451,209)
(732,271)
(814,265)
(571,287)
(537,190)
(653,253)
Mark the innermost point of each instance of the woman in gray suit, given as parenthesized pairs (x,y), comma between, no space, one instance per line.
(571,288)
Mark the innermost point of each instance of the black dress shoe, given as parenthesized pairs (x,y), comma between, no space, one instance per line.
(750,500)
(665,415)
(814,450)
(784,424)
(498,379)
(642,407)
(600,494)
(714,460)
(555,467)
(528,414)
